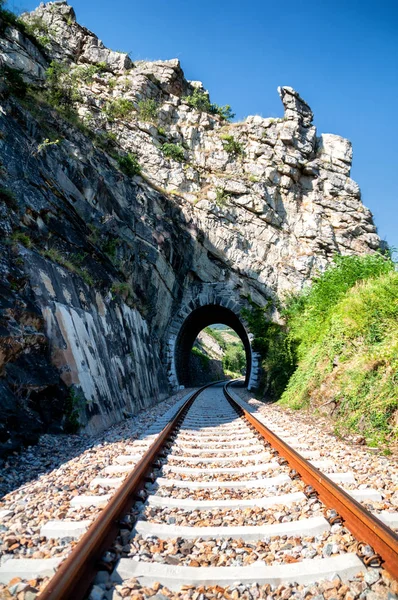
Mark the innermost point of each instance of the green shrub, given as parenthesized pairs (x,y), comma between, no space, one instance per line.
(200,100)
(123,289)
(204,359)
(107,141)
(86,73)
(22,238)
(110,248)
(8,18)
(74,404)
(148,110)
(174,151)
(121,108)
(339,345)
(129,164)
(234,358)
(231,145)
(308,312)
(354,362)
(62,90)
(38,31)
(221,197)
(16,84)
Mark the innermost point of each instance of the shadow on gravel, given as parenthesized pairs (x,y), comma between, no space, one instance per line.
(53,451)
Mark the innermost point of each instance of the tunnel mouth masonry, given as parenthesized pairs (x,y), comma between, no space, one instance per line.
(197,321)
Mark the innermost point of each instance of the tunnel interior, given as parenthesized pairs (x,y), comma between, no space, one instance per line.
(199,319)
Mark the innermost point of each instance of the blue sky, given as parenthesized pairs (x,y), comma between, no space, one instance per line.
(341,55)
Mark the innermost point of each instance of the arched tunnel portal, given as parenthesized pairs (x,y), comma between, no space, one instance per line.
(195,315)
(193,325)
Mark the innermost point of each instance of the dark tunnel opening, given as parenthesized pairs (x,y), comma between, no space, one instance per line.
(199,319)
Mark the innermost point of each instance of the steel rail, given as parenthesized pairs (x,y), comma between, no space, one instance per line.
(75,575)
(361,523)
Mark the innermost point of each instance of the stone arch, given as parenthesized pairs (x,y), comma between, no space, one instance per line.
(198,312)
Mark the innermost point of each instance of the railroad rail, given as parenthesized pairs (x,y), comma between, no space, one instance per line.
(363,525)
(186,430)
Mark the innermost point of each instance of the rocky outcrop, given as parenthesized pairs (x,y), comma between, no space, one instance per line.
(104,256)
(205,361)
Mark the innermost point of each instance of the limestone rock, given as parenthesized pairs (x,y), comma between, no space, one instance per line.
(295,107)
(113,262)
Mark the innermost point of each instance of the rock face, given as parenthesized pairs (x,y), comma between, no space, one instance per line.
(98,264)
(206,364)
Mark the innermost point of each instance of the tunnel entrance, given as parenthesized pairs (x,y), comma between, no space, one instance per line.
(197,320)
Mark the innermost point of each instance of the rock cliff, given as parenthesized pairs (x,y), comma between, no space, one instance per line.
(125,195)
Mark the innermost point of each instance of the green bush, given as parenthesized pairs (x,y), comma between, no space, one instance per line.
(234,358)
(200,100)
(22,238)
(204,359)
(174,151)
(8,18)
(338,346)
(148,110)
(74,404)
(110,248)
(107,141)
(225,112)
(16,84)
(62,90)
(121,108)
(129,164)
(221,197)
(231,145)
(86,73)
(308,312)
(353,365)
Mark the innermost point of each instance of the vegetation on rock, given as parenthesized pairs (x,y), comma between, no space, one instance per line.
(174,151)
(121,108)
(14,80)
(338,349)
(200,100)
(231,145)
(129,164)
(148,110)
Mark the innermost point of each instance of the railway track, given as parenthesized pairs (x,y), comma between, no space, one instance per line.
(232,503)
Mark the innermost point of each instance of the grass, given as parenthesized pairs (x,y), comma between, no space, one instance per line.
(338,351)
(121,108)
(217,336)
(200,100)
(123,289)
(222,197)
(19,237)
(204,359)
(148,110)
(72,263)
(16,84)
(129,164)
(174,151)
(231,145)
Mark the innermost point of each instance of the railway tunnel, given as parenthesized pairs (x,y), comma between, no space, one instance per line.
(199,319)
(199,312)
